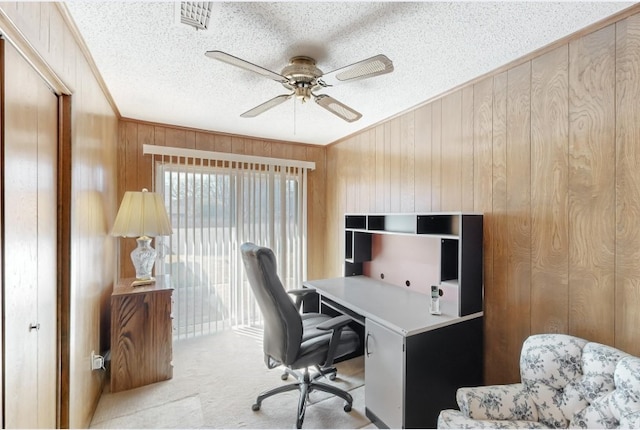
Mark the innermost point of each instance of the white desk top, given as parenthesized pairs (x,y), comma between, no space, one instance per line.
(400,309)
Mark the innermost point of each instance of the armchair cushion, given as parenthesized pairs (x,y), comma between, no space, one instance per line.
(566,382)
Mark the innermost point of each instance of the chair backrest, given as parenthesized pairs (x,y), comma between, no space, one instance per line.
(282,322)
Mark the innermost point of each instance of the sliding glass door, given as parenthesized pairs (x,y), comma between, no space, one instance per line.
(214,208)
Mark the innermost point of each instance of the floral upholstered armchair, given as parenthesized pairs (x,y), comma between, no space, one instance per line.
(566,382)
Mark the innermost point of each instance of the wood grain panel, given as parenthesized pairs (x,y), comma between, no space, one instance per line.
(145,137)
(407,163)
(483,148)
(205,142)
(129,175)
(263,148)
(423,158)
(627,240)
(451,152)
(483,200)
(386,155)
(467,151)
(497,295)
(222,143)
(518,210)
(436,156)
(395,172)
(369,145)
(347,173)
(365,167)
(238,145)
(549,192)
(121,161)
(94,203)
(335,215)
(592,185)
(316,218)
(174,137)
(381,184)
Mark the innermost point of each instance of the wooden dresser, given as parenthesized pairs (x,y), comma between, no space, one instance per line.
(141,334)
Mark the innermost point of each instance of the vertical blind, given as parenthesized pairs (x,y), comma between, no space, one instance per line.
(216,202)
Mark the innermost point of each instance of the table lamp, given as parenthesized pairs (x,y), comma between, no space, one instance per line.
(142,214)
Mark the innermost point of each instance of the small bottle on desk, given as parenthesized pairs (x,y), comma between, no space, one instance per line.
(434,306)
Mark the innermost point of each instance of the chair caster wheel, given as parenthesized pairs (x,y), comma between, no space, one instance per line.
(332,377)
(284,376)
(347,408)
(255,407)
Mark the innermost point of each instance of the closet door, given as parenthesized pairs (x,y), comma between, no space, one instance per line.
(29,246)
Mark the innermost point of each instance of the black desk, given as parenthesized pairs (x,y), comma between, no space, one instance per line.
(414,361)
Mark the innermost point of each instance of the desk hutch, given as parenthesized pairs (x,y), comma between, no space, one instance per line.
(414,361)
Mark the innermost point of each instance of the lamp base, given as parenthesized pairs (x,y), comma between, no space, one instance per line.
(140,282)
(143,257)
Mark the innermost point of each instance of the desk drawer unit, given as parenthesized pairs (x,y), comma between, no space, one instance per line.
(384,360)
(409,380)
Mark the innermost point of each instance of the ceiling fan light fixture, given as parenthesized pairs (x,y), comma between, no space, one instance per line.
(196,13)
(303,93)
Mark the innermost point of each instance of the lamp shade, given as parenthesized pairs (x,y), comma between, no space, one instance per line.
(141,213)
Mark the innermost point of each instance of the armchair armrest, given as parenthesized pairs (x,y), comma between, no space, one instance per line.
(630,421)
(299,294)
(497,402)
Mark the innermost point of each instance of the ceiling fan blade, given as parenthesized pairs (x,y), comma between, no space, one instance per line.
(251,113)
(337,108)
(374,66)
(243,64)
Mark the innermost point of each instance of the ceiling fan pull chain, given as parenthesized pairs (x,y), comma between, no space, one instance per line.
(295,102)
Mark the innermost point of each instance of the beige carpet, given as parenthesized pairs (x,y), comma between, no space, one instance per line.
(215,381)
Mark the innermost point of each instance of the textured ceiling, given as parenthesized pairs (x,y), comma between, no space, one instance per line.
(156,70)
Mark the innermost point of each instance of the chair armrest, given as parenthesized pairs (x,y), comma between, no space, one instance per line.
(497,402)
(301,291)
(334,323)
(299,294)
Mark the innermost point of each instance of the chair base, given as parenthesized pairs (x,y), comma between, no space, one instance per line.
(306,384)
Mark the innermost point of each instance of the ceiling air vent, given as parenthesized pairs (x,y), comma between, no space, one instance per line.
(196,13)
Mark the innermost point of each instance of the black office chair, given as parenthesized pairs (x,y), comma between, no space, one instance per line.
(290,339)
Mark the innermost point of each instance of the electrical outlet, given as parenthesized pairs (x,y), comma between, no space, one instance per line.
(97,361)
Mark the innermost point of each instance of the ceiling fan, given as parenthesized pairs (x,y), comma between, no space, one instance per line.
(303,79)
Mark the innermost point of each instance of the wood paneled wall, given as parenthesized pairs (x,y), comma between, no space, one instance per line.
(547,149)
(135,173)
(90,203)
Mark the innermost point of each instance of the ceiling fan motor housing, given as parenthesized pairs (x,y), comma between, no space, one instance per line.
(302,74)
